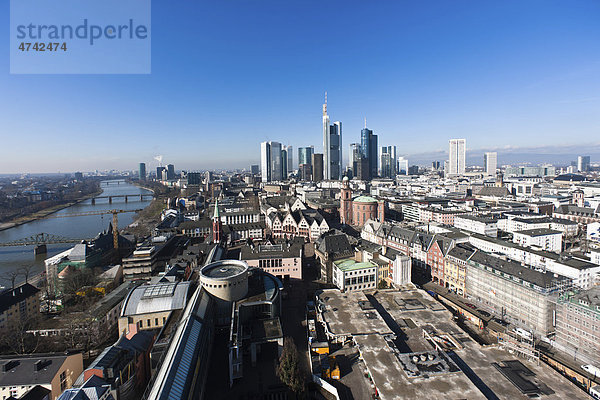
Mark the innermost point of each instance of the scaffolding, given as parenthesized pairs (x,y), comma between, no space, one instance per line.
(521,345)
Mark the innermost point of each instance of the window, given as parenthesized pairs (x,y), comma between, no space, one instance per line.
(63,381)
(156,321)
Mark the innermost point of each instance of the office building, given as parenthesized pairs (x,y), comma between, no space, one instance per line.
(142,173)
(583,163)
(522,296)
(490,163)
(282,259)
(402,166)
(290,158)
(350,275)
(545,170)
(170,172)
(388,162)
(317,167)
(368,146)
(159,172)
(457,157)
(362,169)
(284,162)
(332,147)
(254,169)
(271,161)
(305,155)
(578,322)
(354,156)
(477,224)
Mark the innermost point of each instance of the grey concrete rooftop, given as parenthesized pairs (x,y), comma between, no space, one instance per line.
(414,312)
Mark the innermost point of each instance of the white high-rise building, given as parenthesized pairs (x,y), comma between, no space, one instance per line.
(332,147)
(270,162)
(265,157)
(353,155)
(583,163)
(490,162)
(457,156)
(402,166)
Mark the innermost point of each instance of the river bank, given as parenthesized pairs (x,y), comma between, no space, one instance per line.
(46,212)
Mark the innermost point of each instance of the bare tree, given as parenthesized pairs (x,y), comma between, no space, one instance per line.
(26,271)
(15,337)
(11,276)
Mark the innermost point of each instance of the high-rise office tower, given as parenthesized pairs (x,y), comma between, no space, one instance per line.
(290,159)
(305,155)
(402,166)
(284,162)
(317,167)
(583,163)
(254,169)
(388,162)
(265,157)
(490,162)
(332,146)
(368,147)
(271,161)
(159,173)
(170,172)
(353,157)
(457,156)
(276,162)
(142,172)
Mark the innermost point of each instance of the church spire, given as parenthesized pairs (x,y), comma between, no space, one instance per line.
(216,213)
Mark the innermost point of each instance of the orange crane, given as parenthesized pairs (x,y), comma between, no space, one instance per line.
(114,213)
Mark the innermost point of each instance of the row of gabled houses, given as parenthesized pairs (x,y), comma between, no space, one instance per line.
(287,217)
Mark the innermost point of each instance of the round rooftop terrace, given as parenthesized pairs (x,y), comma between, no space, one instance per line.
(224,269)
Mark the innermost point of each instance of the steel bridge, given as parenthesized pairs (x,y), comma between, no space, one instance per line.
(39,239)
(126,196)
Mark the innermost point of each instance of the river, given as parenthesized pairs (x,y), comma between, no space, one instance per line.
(14,258)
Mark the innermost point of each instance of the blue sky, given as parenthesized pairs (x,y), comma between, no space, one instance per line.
(227,75)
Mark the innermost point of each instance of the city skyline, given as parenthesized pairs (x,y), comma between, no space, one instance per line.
(421,75)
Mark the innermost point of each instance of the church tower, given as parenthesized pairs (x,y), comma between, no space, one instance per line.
(216,221)
(346,202)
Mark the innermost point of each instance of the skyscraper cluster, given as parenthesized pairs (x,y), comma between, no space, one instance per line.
(364,160)
(276,161)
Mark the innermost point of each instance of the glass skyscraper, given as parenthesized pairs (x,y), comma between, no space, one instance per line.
(332,147)
(368,146)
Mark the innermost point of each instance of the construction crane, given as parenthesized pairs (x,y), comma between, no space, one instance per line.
(115,221)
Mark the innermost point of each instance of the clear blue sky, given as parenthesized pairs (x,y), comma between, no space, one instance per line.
(227,75)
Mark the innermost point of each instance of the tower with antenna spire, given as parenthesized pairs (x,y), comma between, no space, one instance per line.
(332,147)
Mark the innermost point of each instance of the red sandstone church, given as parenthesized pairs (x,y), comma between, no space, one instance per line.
(358,211)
